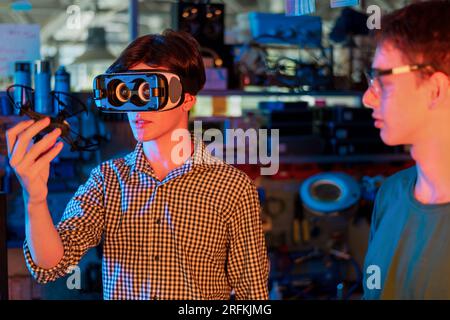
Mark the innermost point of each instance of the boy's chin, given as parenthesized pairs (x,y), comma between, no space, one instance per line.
(390,140)
(144,137)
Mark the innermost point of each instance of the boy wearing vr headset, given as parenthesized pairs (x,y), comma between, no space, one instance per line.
(409,91)
(169,231)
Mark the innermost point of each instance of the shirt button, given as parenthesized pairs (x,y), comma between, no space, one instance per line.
(158,221)
(155,297)
(156,258)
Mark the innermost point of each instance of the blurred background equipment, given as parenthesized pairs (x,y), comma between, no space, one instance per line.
(343,3)
(22,76)
(3,248)
(303,31)
(329,202)
(286,66)
(300,7)
(311,247)
(350,26)
(285,51)
(206,23)
(62,89)
(96,47)
(42,75)
(21,5)
(324,130)
(20,42)
(95,59)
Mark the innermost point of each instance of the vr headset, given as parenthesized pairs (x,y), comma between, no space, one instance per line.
(140,90)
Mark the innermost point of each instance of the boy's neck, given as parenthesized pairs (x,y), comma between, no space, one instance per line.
(433,171)
(159,153)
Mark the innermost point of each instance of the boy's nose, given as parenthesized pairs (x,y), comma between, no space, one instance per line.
(370,100)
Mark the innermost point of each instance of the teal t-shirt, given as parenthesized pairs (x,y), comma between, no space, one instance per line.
(409,246)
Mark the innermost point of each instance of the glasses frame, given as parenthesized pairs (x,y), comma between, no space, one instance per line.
(373,74)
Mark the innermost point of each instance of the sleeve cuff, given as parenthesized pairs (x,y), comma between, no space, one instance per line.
(46,275)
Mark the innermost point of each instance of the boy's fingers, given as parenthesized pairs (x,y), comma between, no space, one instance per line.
(11,134)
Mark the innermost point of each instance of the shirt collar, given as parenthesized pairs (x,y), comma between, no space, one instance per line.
(201,159)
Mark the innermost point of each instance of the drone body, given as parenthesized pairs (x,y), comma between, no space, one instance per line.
(25,106)
(54,122)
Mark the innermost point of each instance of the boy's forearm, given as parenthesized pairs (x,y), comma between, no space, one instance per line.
(43,239)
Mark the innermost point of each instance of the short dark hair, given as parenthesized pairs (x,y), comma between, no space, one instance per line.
(421,31)
(177,51)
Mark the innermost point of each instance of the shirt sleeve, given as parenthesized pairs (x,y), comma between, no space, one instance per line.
(248,263)
(80,228)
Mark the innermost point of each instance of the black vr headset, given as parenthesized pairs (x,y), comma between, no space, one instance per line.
(138,90)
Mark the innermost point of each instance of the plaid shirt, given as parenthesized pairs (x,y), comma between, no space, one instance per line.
(196,234)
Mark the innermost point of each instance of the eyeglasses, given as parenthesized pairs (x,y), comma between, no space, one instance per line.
(373,74)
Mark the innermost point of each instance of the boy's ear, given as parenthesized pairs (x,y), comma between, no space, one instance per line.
(440,88)
(189,102)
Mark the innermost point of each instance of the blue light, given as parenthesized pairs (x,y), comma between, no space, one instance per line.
(21,5)
(300,7)
(343,3)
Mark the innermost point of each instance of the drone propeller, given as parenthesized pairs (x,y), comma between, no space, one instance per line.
(81,143)
(66,101)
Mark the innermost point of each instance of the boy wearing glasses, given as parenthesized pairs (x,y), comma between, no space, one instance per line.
(409,92)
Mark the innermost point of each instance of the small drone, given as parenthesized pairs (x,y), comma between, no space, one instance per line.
(22,98)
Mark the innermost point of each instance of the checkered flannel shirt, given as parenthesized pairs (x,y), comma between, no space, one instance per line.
(197,234)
